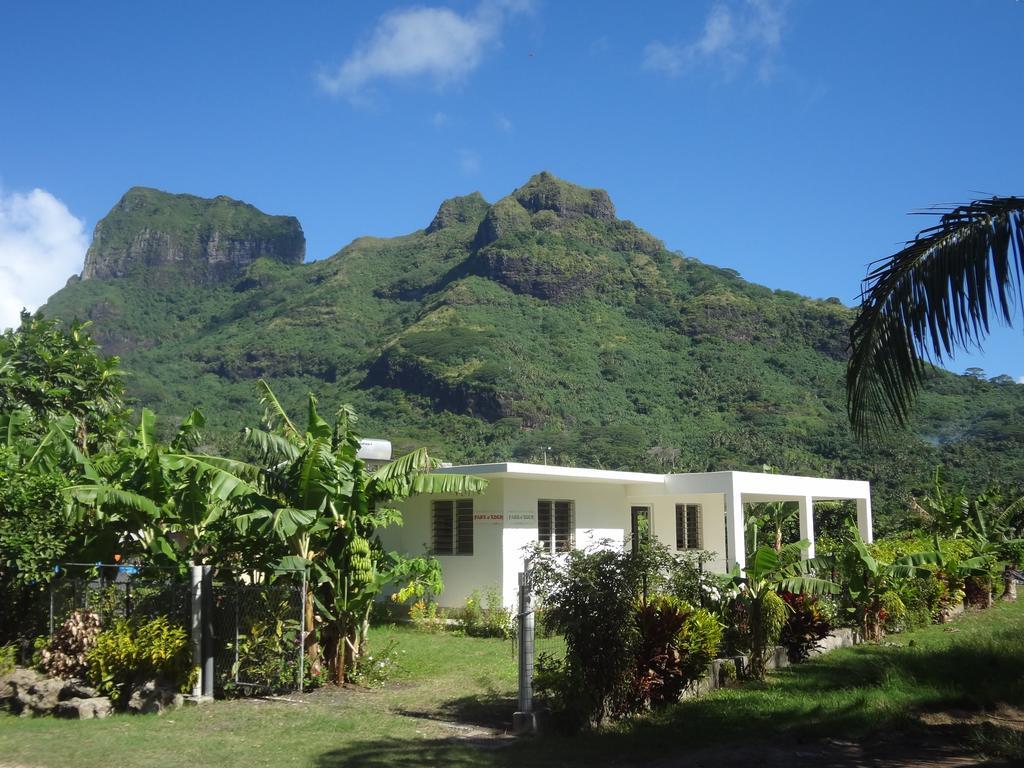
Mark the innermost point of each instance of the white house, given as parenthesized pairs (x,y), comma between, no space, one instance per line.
(481,540)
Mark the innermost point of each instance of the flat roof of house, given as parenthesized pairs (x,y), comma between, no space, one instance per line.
(551,472)
(755,486)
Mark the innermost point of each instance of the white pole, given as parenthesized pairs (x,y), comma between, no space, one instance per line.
(806,504)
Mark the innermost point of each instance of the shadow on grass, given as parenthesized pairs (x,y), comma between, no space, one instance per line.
(491,710)
(828,704)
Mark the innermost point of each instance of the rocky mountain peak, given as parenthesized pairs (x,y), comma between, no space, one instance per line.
(465,209)
(546,192)
(188,238)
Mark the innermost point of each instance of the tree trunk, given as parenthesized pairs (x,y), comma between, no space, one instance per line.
(311,643)
(756,640)
(778,539)
(1009,584)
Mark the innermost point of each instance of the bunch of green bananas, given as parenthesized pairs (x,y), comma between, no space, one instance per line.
(359,562)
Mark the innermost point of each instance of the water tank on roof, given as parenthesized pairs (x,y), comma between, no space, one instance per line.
(374,450)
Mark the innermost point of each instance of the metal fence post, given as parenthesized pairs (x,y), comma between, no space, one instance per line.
(302,631)
(197,628)
(238,597)
(525,721)
(51,609)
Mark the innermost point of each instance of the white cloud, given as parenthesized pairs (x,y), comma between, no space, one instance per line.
(439,120)
(734,34)
(504,124)
(437,43)
(1020,379)
(41,245)
(469,161)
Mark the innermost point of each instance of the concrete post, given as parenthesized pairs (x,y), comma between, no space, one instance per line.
(864,520)
(525,720)
(806,504)
(207,603)
(735,541)
(197,628)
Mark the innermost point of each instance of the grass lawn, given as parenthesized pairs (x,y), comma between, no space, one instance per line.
(931,693)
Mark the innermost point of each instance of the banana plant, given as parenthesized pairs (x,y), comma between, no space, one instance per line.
(326,505)
(160,499)
(767,573)
(868,580)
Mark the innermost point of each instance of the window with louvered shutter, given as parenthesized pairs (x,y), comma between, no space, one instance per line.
(464,527)
(452,527)
(556,525)
(688,528)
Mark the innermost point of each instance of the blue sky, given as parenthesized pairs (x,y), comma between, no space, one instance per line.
(786,140)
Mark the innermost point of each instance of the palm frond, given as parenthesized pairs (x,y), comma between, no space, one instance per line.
(934,297)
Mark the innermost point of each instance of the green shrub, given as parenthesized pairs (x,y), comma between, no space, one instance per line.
(892,613)
(8,657)
(486,617)
(134,652)
(428,616)
(266,655)
(674,644)
(807,624)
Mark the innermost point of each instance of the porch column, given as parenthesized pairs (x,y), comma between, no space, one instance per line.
(735,546)
(806,504)
(864,519)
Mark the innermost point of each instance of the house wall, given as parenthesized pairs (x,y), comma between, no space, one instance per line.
(602,512)
(663,520)
(462,573)
(505,528)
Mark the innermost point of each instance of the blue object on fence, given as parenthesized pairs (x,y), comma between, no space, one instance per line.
(129,569)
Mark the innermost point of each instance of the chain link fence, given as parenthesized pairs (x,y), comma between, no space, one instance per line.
(255,628)
(258,632)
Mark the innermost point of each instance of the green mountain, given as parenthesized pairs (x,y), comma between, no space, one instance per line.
(500,331)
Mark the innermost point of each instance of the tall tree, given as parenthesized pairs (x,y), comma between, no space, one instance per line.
(930,299)
(52,372)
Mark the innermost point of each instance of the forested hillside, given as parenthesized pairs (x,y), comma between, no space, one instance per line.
(500,330)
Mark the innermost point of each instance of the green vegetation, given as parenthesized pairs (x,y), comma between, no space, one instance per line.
(541,321)
(929,692)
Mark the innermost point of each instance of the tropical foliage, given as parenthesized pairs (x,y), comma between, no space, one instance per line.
(937,295)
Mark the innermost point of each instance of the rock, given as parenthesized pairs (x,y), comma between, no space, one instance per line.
(38,698)
(152,698)
(93,707)
(75,689)
(15,680)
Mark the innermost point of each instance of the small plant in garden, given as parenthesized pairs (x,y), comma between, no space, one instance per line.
(486,616)
(428,616)
(807,624)
(675,644)
(375,669)
(66,654)
(134,652)
(267,652)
